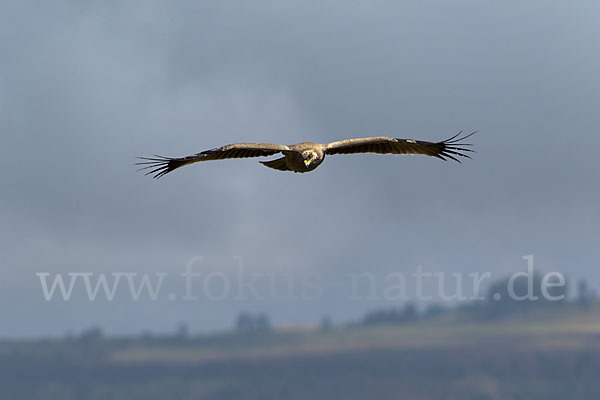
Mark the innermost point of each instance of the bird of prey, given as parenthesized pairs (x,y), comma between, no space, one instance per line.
(306,156)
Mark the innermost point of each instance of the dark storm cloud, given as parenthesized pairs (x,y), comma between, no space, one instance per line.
(86,87)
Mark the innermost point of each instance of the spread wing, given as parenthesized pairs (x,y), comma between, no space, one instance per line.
(159,165)
(450,148)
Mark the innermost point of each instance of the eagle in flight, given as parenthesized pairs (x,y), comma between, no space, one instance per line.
(306,156)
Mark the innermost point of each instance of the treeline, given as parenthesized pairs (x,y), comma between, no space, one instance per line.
(503,298)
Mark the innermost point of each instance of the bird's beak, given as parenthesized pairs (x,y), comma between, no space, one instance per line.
(307,163)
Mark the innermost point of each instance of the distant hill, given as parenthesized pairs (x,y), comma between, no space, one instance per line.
(539,354)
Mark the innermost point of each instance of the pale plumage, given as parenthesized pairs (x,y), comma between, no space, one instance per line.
(307,156)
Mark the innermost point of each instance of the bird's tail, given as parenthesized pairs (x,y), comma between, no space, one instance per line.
(276,164)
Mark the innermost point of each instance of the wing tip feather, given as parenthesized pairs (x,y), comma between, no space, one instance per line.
(158,166)
(454,146)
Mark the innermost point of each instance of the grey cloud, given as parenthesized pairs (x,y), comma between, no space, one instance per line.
(84,88)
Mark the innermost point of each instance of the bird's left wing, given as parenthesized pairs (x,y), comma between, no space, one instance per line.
(450,148)
(159,165)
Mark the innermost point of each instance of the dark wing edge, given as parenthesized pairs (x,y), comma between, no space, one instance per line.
(454,146)
(160,165)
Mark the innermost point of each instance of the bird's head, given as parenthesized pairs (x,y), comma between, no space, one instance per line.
(309,156)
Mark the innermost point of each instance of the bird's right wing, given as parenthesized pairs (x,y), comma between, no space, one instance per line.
(159,165)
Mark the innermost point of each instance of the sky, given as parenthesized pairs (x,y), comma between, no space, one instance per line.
(85,87)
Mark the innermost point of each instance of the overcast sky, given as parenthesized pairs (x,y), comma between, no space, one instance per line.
(87,86)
